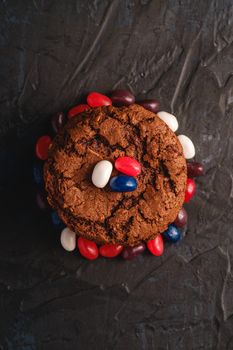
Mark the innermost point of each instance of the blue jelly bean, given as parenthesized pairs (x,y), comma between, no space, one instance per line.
(38,173)
(57,221)
(123,183)
(172,234)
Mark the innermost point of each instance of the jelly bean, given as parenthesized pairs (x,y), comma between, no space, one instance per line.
(38,173)
(68,239)
(190,190)
(110,250)
(131,252)
(42,147)
(94,99)
(58,121)
(57,221)
(101,173)
(87,248)
(172,234)
(123,183)
(156,246)
(128,166)
(76,110)
(181,219)
(151,104)
(195,169)
(169,119)
(122,98)
(41,201)
(188,146)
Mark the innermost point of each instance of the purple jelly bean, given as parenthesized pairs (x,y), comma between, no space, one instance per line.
(131,252)
(58,121)
(122,98)
(151,104)
(41,201)
(195,169)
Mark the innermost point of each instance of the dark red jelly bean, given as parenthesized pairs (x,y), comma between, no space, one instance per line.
(122,98)
(95,99)
(42,147)
(76,110)
(181,219)
(190,190)
(195,169)
(87,248)
(128,166)
(156,246)
(58,121)
(41,201)
(151,104)
(110,250)
(131,252)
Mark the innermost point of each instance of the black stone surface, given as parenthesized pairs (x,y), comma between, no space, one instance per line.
(51,54)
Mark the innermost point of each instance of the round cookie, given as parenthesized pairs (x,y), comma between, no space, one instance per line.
(100,214)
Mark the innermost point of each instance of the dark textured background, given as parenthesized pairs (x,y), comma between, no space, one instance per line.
(179,51)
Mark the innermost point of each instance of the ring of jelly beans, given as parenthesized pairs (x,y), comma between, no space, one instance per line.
(126,165)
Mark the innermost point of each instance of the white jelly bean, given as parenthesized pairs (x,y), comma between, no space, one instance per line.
(188,146)
(101,173)
(169,119)
(68,239)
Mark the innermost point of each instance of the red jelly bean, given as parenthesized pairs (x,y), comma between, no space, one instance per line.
(94,99)
(195,169)
(181,219)
(128,166)
(190,190)
(42,147)
(87,248)
(156,246)
(76,110)
(110,250)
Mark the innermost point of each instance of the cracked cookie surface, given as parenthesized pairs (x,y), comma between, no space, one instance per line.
(100,214)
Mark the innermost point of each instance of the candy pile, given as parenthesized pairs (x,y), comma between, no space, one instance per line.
(128,168)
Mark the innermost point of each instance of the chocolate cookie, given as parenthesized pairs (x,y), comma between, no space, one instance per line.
(100,214)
